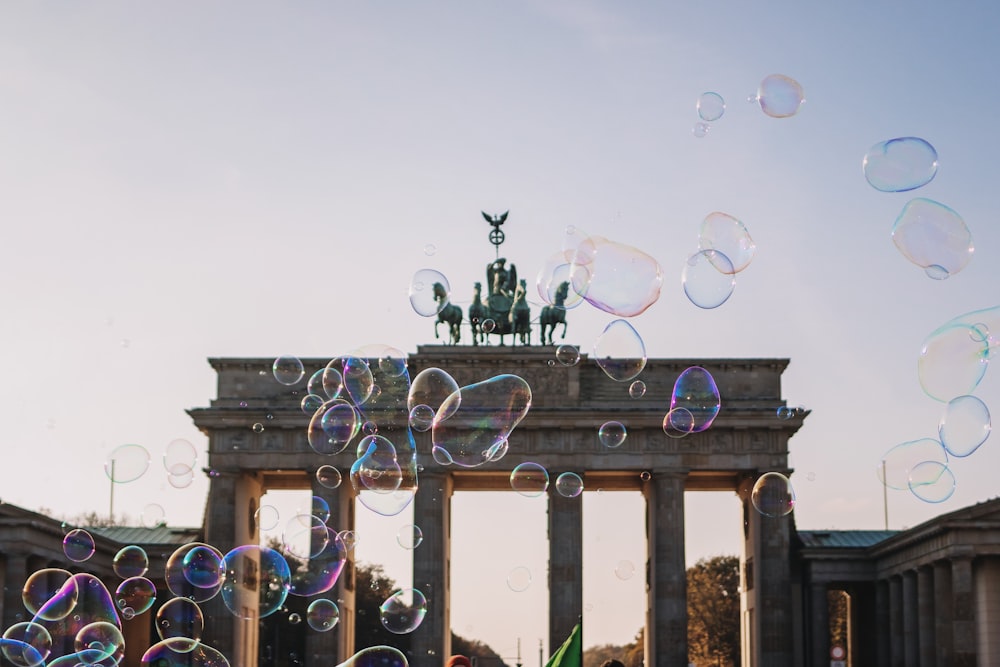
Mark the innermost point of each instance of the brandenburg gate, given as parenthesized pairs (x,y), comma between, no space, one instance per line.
(569,404)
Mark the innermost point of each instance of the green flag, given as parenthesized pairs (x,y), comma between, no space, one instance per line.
(570,654)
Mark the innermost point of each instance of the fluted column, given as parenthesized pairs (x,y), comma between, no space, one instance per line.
(925,616)
(565,566)
(666,575)
(882,622)
(15,573)
(431,642)
(819,630)
(896,622)
(943,635)
(963,616)
(911,640)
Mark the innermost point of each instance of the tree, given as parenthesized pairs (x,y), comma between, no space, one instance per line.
(713,601)
(630,654)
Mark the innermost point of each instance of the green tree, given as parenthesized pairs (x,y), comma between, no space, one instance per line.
(713,602)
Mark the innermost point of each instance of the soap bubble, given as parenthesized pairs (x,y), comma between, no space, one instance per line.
(403,611)
(421,418)
(679,422)
(931,481)
(780,96)
(964,426)
(637,389)
(569,485)
(304,536)
(98,642)
(377,656)
(202,566)
(137,594)
(288,370)
(130,561)
(430,292)
(310,403)
(700,130)
(177,652)
(519,579)
(181,619)
(26,644)
(320,572)
(953,358)
(377,468)
(615,278)
(901,164)
(612,434)
(485,416)
(50,594)
(624,570)
(409,536)
(320,508)
(266,517)
(431,387)
(708,279)
(695,391)
(178,574)
(711,106)
(328,476)
(554,282)
(529,479)
(180,457)
(897,463)
(567,355)
(724,233)
(333,426)
(620,351)
(78,545)
(322,615)
(256,581)
(933,237)
(772,495)
(126,463)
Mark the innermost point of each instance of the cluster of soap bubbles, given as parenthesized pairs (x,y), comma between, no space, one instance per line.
(129,462)
(926,232)
(710,107)
(724,249)
(779,96)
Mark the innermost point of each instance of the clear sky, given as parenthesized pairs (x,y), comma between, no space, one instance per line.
(187,180)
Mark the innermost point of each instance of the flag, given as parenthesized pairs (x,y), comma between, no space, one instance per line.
(570,654)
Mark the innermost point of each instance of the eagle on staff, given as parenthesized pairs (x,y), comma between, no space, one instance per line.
(496,234)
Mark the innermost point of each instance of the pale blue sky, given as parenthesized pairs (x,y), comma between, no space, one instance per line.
(186,180)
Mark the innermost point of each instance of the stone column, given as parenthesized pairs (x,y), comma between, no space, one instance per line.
(896,622)
(943,637)
(882,622)
(911,639)
(14,574)
(819,627)
(431,642)
(987,572)
(963,617)
(337,645)
(565,566)
(666,575)
(925,616)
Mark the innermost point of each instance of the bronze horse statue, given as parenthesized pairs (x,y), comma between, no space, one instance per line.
(520,316)
(554,314)
(450,314)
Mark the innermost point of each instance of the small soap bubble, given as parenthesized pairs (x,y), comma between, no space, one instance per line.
(288,370)
(328,476)
(489,325)
(964,426)
(519,579)
(257,427)
(711,106)
(620,351)
(529,479)
(931,481)
(772,495)
(780,96)
(625,569)
(78,545)
(266,517)
(569,485)
(645,476)
(349,538)
(243,404)
(409,536)
(637,389)
(430,249)
(708,278)
(934,237)
(403,611)
(322,615)
(678,422)
(612,434)
(700,130)
(126,463)
(130,561)
(294,619)
(152,515)
(784,412)
(567,355)
(728,235)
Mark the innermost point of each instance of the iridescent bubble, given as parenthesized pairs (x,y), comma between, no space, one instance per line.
(409,536)
(619,351)
(678,422)
(933,237)
(256,581)
(328,476)
(498,451)
(569,485)
(612,434)
(637,389)
(78,545)
(529,479)
(931,481)
(952,361)
(624,570)
(695,391)
(349,538)
(708,279)
(178,576)
(377,467)
(724,233)
(964,426)
(554,282)
(126,463)
(332,380)
(332,427)
(130,561)
(773,495)
(519,579)
(403,611)
(567,355)
(181,479)
(322,570)
(711,106)
(489,325)
(700,130)
(377,656)
(294,619)
(900,164)
(304,536)
(784,412)
(257,427)
(421,418)
(288,370)
(780,96)
(430,292)
(137,594)
(202,567)
(182,619)
(98,642)
(616,278)
(26,644)
(266,517)
(179,456)
(310,403)
(894,468)
(431,387)
(485,416)
(322,615)
(645,476)
(51,589)
(177,652)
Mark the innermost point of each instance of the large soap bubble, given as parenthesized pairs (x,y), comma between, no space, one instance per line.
(430,292)
(710,106)
(933,237)
(620,351)
(773,495)
(931,481)
(901,164)
(257,580)
(52,589)
(126,463)
(897,463)
(955,356)
(615,277)
(708,278)
(964,426)
(431,387)
(696,392)
(180,570)
(174,652)
(403,611)
(555,283)
(724,233)
(487,413)
(377,656)
(780,96)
